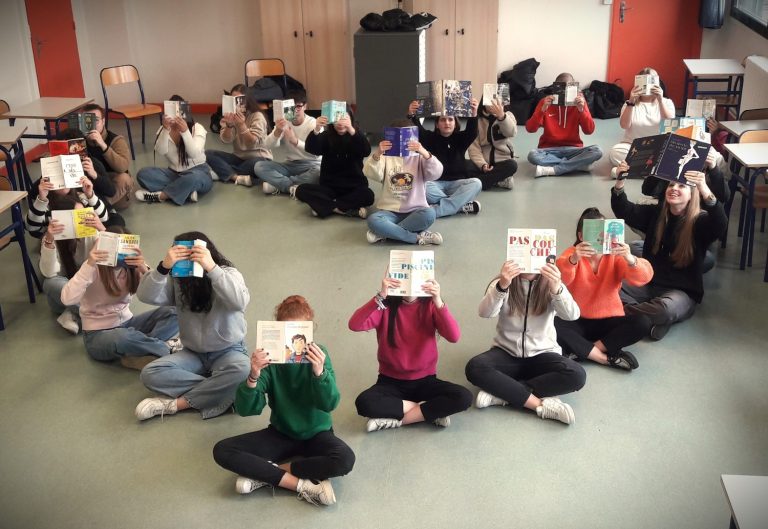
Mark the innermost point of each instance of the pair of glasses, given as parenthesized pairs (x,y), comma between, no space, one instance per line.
(300,105)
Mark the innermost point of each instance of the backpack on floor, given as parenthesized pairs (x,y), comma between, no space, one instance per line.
(608,100)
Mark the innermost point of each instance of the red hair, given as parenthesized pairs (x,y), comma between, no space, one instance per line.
(294,308)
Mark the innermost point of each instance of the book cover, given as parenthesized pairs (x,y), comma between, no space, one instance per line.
(603,234)
(400,136)
(185,267)
(177,109)
(646,82)
(63,171)
(700,108)
(232,104)
(285,342)
(694,128)
(496,91)
(119,245)
(85,122)
(427,94)
(334,110)
(73,146)
(74,223)
(283,109)
(667,156)
(531,248)
(413,269)
(444,98)
(565,94)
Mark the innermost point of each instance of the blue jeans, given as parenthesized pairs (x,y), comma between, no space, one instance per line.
(284,175)
(566,159)
(450,195)
(208,381)
(226,165)
(52,287)
(401,226)
(142,335)
(177,186)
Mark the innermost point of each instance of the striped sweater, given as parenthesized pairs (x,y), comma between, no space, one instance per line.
(39,215)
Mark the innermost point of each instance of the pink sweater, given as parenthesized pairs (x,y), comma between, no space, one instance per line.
(98,310)
(416,323)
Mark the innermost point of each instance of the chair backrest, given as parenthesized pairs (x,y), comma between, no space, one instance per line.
(755,113)
(262,67)
(4,107)
(754,136)
(115,75)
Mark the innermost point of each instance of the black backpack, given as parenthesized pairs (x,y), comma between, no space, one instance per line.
(608,100)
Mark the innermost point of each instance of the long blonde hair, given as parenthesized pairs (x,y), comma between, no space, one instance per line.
(682,254)
(540,297)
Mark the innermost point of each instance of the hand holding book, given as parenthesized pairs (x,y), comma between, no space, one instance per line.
(432,288)
(551,274)
(583,250)
(388,284)
(621,249)
(94,136)
(92,220)
(316,357)
(136,258)
(320,122)
(259,360)
(509,271)
(96,255)
(175,254)
(202,256)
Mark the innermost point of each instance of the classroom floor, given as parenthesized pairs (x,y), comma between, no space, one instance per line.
(646,451)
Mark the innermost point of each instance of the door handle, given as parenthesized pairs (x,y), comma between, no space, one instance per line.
(622,11)
(446,32)
(310,33)
(460,31)
(296,34)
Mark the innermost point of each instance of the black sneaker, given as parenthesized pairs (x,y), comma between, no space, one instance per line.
(471,208)
(659,331)
(623,360)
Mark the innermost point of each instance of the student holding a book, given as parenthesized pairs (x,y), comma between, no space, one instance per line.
(300,166)
(641,116)
(403,213)
(561,150)
(298,451)
(407,390)
(182,143)
(247,133)
(678,230)
(492,151)
(525,367)
(603,330)
(342,188)
(110,330)
(455,191)
(205,374)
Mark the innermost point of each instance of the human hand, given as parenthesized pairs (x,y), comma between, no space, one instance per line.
(259,361)
(635,93)
(346,124)
(388,283)
(316,357)
(175,254)
(496,108)
(135,259)
(509,271)
(712,124)
(180,124)
(474,103)
(54,228)
(583,250)
(93,221)
(432,288)
(168,122)
(621,169)
(551,274)
(621,249)
(238,118)
(290,134)
(202,255)
(88,168)
(486,168)
(44,188)
(581,102)
(547,101)
(416,146)
(657,91)
(94,136)
(320,122)
(96,255)
(87,186)
(413,107)
(711,159)
(384,146)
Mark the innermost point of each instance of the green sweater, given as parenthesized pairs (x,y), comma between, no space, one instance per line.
(301,402)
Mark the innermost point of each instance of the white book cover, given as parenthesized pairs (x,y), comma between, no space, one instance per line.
(63,171)
(119,245)
(232,104)
(285,342)
(413,269)
(700,108)
(283,109)
(646,82)
(531,248)
(74,223)
(494,91)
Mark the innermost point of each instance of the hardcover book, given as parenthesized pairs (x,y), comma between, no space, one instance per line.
(285,342)
(185,267)
(498,92)
(400,136)
(334,110)
(444,98)
(74,223)
(531,248)
(667,156)
(646,82)
(119,245)
(603,234)
(565,94)
(63,171)
(232,104)
(413,269)
(284,109)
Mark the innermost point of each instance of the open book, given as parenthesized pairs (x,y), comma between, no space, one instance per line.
(333,110)
(232,104)
(531,248)
(667,156)
(565,94)
(285,342)
(119,245)
(64,171)
(400,136)
(444,98)
(177,109)
(646,82)
(700,108)
(284,109)
(498,92)
(74,223)
(413,269)
(603,234)
(185,267)
(85,122)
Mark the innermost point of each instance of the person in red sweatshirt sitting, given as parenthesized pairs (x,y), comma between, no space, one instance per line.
(560,149)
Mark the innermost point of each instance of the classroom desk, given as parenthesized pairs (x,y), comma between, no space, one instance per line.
(748,500)
(12,200)
(49,109)
(13,156)
(737,128)
(715,71)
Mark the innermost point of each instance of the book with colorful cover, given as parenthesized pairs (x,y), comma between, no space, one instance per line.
(646,82)
(177,109)
(63,171)
(564,94)
(496,91)
(400,136)
(73,146)
(531,248)
(119,245)
(333,110)
(232,104)
(412,269)
(283,109)
(694,128)
(285,342)
(74,223)
(603,234)
(448,97)
(666,156)
(85,122)
(185,267)
(700,108)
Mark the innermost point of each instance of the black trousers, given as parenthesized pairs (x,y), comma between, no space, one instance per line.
(252,454)
(323,199)
(579,336)
(500,171)
(513,379)
(440,398)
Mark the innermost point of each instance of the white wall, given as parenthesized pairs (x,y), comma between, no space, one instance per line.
(732,41)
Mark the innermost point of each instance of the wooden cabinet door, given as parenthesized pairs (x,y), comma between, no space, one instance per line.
(441,37)
(327,51)
(282,36)
(477,31)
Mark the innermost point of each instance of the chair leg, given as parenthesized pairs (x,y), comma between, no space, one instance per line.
(143,137)
(130,138)
(744,242)
(2,325)
(742,215)
(751,227)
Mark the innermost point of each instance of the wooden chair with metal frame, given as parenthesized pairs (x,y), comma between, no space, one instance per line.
(117,75)
(4,107)
(754,113)
(255,68)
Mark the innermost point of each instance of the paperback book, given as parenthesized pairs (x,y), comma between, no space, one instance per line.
(400,136)
(232,104)
(119,245)
(496,92)
(564,94)
(413,269)
(531,248)
(74,223)
(646,82)
(63,171)
(700,108)
(333,110)
(444,98)
(603,234)
(694,128)
(177,109)
(85,122)
(185,267)
(285,342)
(667,156)
(284,109)
(73,146)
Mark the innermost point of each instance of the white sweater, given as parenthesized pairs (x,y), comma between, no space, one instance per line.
(646,118)
(294,152)
(194,144)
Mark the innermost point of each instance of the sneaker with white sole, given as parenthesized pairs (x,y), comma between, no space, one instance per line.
(362,213)
(443,422)
(148,408)
(316,493)
(543,170)
(471,208)
(193,196)
(429,237)
(136,362)
(623,360)
(174,345)
(372,238)
(382,424)
(485,399)
(149,197)
(269,189)
(68,322)
(245,485)
(244,180)
(554,408)
(507,183)
(292,191)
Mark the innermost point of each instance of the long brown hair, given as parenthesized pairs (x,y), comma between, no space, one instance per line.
(682,254)
(108,275)
(539,300)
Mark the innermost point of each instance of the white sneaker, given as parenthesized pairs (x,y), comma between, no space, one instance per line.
(382,424)
(213,174)
(269,189)
(316,493)
(193,196)
(147,196)
(485,399)
(68,321)
(372,238)
(429,237)
(508,182)
(174,345)
(152,406)
(244,180)
(554,408)
(443,422)
(543,170)
(292,191)
(245,485)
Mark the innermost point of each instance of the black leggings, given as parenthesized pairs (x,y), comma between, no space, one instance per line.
(252,454)
(514,379)
(440,398)
(579,336)
(323,199)
(500,171)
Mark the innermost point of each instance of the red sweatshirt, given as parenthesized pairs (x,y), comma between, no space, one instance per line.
(561,125)
(415,326)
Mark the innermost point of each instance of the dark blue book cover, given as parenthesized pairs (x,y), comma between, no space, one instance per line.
(400,136)
(666,156)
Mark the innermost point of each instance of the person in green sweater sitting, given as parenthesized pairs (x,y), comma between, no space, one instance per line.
(302,396)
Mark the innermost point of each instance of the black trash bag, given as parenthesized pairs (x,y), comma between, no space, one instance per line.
(372,22)
(521,79)
(394,19)
(286,83)
(422,20)
(609,98)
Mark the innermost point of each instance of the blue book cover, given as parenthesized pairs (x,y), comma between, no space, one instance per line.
(333,110)
(666,156)
(400,136)
(183,268)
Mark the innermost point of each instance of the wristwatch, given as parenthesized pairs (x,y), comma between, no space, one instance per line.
(629,103)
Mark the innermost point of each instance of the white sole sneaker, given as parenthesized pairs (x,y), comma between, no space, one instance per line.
(245,485)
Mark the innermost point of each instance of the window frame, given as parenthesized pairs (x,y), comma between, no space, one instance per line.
(745,18)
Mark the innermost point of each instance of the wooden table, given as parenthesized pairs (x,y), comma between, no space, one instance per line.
(12,200)
(12,152)
(715,71)
(50,109)
(748,500)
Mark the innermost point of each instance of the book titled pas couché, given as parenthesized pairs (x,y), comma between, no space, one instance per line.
(603,234)
(666,156)
(399,137)
(285,342)
(85,122)
(532,248)
(63,171)
(73,221)
(185,267)
(498,92)
(232,104)
(444,98)
(333,110)
(412,269)
(119,246)
(564,94)
(177,109)
(284,109)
